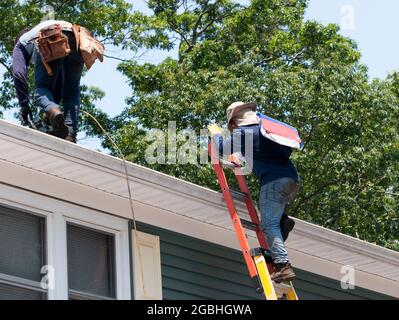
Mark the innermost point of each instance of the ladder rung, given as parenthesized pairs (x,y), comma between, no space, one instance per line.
(239,195)
(249,225)
(282,288)
(227,164)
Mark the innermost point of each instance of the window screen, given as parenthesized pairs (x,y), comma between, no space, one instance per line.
(22,252)
(91,262)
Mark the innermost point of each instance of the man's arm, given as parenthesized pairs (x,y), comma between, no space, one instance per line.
(20,62)
(224,145)
(232,144)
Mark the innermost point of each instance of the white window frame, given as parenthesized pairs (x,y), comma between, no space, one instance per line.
(58,214)
(118,243)
(152,273)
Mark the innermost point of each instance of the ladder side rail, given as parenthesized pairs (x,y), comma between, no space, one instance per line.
(233,212)
(251,207)
(253,213)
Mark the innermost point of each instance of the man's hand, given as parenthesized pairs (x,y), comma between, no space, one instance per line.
(214,129)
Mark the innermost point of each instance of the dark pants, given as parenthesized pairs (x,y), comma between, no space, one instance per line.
(71,68)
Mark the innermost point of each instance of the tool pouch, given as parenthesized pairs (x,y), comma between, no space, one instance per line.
(52,45)
(90,48)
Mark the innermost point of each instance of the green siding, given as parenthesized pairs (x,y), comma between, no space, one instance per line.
(196,269)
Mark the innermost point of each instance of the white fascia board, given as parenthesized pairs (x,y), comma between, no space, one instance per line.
(162,181)
(346,242)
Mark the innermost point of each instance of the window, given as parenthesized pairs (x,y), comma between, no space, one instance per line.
(93,247)
(22,252)
(91,264)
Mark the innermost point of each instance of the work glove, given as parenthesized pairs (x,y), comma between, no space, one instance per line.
(214,129)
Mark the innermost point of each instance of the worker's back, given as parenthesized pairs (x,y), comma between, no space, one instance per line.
(271,160)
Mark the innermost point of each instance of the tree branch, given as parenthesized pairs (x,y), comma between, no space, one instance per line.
(197,23)
(307,198)
(116,58)
(5,65)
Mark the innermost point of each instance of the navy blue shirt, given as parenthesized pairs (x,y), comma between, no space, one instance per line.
(271,161)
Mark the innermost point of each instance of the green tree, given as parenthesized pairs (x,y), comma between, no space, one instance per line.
(299,71)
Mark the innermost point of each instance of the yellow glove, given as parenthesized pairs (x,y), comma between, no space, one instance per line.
(214,129)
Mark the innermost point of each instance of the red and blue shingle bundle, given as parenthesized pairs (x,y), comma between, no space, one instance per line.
(280,132)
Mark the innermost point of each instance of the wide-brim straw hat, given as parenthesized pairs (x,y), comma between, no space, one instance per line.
(235,108)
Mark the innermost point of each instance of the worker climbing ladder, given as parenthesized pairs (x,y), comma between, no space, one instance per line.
(259,264)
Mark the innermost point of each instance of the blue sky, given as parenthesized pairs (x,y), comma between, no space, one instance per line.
(373,24)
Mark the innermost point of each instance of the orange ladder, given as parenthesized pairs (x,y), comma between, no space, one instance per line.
(255,258)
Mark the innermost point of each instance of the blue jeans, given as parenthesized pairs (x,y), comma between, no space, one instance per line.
(274,196)
(71,68)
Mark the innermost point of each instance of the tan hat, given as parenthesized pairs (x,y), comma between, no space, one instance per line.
(235,108)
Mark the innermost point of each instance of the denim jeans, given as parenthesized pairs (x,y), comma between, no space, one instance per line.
(71,68)
(274,196)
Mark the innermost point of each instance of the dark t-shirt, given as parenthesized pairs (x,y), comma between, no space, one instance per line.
(271,161)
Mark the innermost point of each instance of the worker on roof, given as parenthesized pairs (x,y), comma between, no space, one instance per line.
(23,55)
(277,175)
(61,47)
(64,123)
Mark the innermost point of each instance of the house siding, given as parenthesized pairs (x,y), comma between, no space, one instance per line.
(196,269)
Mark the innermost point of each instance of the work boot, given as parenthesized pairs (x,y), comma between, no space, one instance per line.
(283,273)
(56,118)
